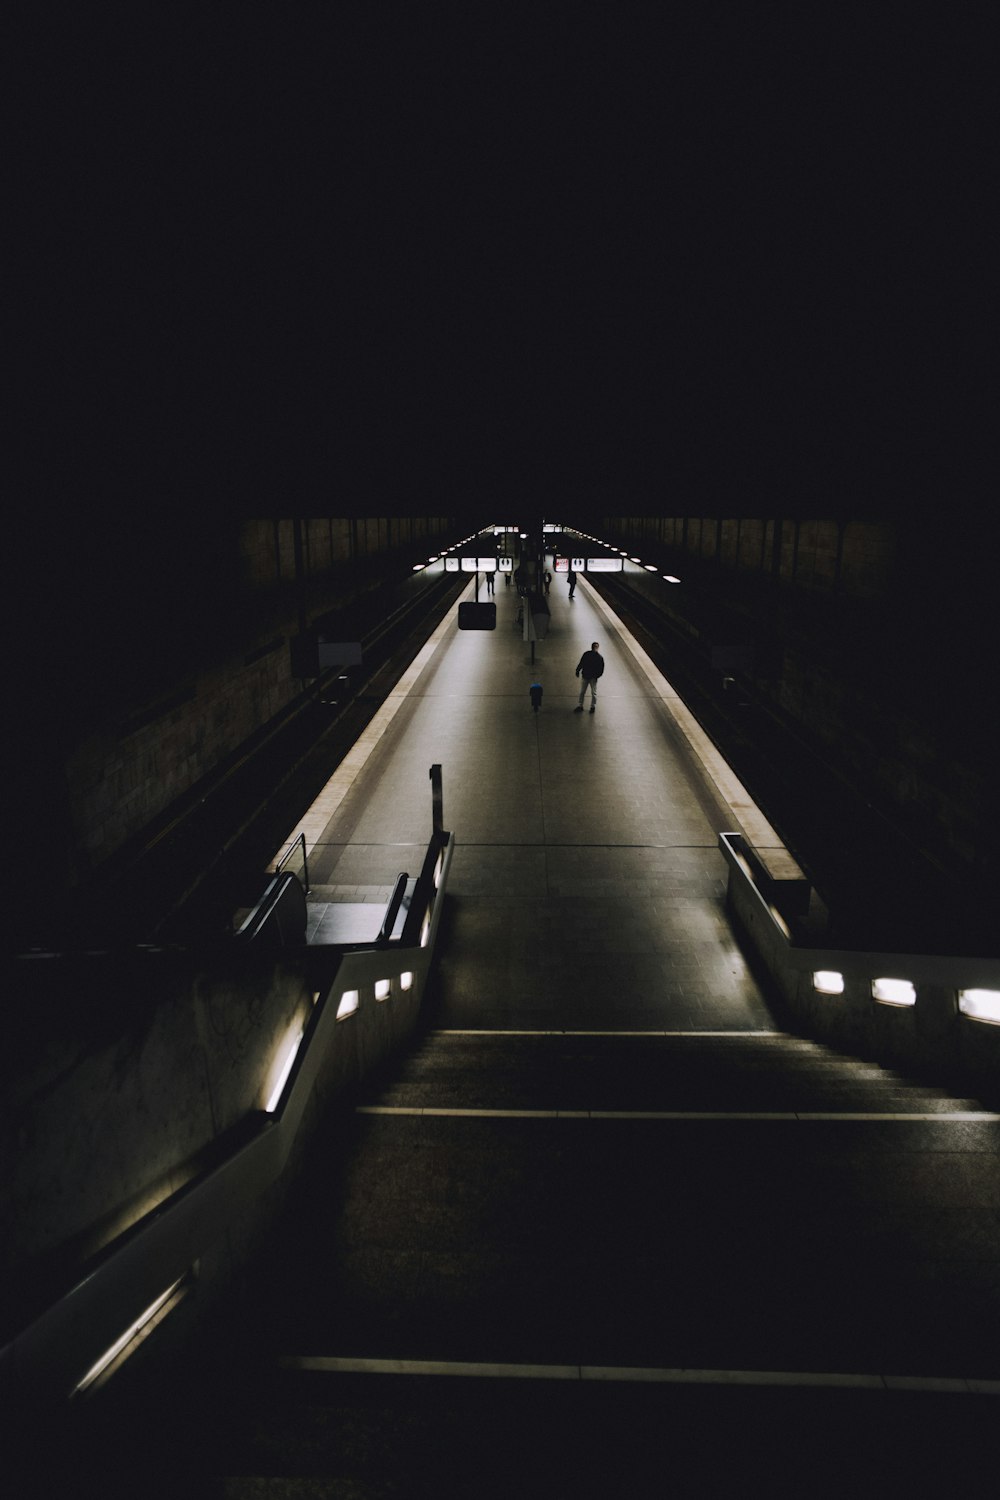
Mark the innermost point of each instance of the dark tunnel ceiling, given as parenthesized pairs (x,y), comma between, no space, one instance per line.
(727,262)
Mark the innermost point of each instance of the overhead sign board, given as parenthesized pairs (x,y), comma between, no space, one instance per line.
(479,564)
(477,615)
(602,565)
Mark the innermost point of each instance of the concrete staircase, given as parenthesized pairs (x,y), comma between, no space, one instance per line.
(574,1264)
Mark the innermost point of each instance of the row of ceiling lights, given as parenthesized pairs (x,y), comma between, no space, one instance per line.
(436,557)
(649,567)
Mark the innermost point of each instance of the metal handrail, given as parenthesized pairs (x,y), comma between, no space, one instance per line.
(282,862)
(388,921)
(49,1355)
(283,901)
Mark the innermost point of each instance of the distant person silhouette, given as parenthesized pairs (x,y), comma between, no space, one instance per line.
(571,580)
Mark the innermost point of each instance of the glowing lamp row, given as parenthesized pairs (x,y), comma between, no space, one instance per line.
(351,999)
(451,563)
(347,1005)
(649,567)
(478,564)
(979,1004)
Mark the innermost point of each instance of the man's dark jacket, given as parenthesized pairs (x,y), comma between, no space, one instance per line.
(591,664)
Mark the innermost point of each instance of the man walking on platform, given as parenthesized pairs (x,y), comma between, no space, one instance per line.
(590,668)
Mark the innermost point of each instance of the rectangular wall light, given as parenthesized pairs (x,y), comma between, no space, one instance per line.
(828,982)
(894,992)
(348,1004)
(980,1005)
(383,989)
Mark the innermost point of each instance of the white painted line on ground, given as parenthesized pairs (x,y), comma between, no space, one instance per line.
(648,1375)
(687,1114)
(734,1377)
(953,1116)
(513,1114)
(939,1117)
(335,1366)
(927,1383)
(535,1031)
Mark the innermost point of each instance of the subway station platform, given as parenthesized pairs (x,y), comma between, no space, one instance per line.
(605,1226)
(587,886)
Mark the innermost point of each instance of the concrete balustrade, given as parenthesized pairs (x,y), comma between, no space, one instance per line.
(931,1033)
(152,1144)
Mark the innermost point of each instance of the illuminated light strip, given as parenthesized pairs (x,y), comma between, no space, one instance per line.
(944,1117)
(132,1332)
(286,1068)
(639,1374)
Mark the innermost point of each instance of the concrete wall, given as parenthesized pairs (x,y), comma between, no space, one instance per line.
(124,1105)
(153,1075)
(855,557)
(129,1066)
(932,1036)
(866,641)
(158,651)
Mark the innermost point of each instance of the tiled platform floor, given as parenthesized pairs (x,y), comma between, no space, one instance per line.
(600,1157)
(587,887)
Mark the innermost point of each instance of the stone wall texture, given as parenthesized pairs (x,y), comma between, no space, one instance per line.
(865,636)
(201,661)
